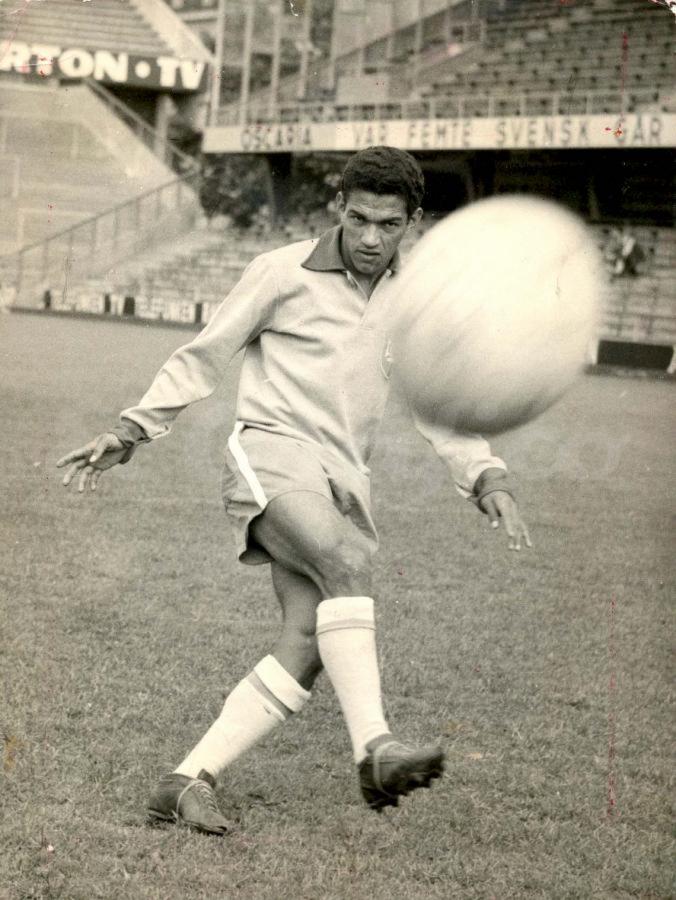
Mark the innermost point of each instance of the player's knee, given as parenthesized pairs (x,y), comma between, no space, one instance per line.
(346,568)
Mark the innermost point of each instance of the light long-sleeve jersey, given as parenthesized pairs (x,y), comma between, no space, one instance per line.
(316,364)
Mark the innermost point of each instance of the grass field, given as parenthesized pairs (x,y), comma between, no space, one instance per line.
(125,621)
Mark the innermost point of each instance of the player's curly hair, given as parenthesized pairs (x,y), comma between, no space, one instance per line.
(385,170)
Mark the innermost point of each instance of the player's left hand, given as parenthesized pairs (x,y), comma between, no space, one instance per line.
(500,506)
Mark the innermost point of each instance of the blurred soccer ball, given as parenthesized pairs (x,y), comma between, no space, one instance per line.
(494,312)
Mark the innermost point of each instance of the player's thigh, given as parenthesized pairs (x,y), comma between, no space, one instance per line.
(305,533)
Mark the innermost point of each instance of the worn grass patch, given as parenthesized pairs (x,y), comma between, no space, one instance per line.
(125,621)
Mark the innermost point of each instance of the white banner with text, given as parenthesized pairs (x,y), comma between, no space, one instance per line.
(650,129)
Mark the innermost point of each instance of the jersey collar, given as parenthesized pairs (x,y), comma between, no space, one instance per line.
(326,255)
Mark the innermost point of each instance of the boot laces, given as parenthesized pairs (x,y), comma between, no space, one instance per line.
(206,795)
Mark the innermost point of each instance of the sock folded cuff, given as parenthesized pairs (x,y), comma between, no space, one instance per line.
(280,684)
(345,612)
(247,694)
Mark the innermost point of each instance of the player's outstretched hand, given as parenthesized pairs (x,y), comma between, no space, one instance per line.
(92,460)
(499,506)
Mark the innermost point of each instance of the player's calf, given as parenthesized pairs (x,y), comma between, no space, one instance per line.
(298,653)
(296,648)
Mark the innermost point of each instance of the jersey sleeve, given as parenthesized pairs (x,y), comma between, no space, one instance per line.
(466,455)
(194,371)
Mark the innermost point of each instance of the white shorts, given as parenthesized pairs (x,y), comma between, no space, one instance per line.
(261,465)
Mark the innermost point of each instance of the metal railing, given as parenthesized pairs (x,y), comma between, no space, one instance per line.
(94,245)
(459,106)
(163,148)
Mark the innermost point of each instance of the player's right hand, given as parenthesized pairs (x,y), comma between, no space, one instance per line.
(92,460)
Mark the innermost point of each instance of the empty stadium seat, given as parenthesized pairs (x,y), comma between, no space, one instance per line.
(586,49)
(105,24)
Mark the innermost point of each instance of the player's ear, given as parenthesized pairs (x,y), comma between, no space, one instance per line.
(340,202)
(415,218)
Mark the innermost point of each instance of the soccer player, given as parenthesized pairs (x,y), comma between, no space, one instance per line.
(313,318)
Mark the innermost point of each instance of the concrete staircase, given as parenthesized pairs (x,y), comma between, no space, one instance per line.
(64,156)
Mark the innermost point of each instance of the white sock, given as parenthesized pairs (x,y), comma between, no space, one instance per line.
(346,634)
(248,715)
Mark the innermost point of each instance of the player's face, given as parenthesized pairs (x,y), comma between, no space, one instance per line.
(373,226)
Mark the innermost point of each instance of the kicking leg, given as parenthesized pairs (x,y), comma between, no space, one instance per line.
(306,534)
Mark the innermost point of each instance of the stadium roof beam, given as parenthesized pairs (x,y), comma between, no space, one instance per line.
(305,49)
(215,96)
(276,58)
(247,45)
(250,34)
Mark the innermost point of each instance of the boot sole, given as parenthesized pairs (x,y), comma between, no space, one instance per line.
(155,817)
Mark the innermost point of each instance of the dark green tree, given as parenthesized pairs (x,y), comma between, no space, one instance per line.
(234,185)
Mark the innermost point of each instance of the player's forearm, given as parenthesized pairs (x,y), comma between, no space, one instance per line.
(472,465)
(191,374)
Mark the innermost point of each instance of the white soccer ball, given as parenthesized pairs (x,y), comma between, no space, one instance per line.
(494,311)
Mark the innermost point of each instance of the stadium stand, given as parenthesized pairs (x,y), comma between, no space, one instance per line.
(66,153)
(104,24)
(187,286)
(519,59)
(525,57)
(142,27)
(640,309)
(271,16)
(87,94)
(595,58)
(182,283)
